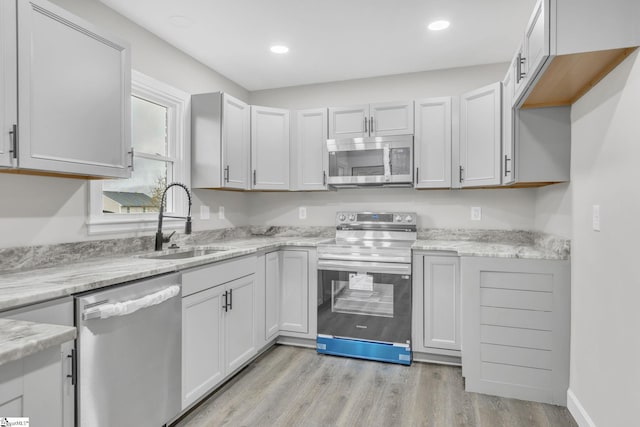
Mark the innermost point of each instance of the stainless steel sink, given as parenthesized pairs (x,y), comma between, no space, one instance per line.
(185,253)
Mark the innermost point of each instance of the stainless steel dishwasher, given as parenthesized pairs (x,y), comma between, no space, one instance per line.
(129,354)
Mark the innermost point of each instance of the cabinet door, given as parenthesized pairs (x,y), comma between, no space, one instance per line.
(349,122)
(294,292)
(236,142)
(536,41)
(239,323)
(74,91)
(432,145)
(8,81)
(310,158)
(441,302)
(270,148)
(32,387)
(508,177)
(202,339)
(272,295)
(480,126)
(391,118)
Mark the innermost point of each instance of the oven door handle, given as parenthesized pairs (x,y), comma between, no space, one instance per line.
(368,267)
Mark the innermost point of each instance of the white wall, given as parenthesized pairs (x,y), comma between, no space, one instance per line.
(501,209)
(553,210)
(381,89)
(605,341)
(40,210)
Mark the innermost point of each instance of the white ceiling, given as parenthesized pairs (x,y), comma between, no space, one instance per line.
(332,40)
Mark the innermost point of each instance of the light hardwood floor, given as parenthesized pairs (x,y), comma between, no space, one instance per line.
(290,386)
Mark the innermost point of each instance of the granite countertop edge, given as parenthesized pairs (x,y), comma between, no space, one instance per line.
(23,288)
(19,339)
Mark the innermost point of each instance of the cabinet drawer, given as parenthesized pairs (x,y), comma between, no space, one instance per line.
(525,300)
(517,281)
(517,375)
(199,279)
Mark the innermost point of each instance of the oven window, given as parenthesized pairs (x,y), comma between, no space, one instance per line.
(375,301)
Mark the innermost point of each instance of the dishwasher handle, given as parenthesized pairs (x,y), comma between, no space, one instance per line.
(104,311)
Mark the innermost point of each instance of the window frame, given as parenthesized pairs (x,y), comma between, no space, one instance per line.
(178,105)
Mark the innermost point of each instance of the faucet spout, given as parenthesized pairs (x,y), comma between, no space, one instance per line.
(160,238)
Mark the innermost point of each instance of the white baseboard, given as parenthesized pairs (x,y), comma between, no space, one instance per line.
(577,410)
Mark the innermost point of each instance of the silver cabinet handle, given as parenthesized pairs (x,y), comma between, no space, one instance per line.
(366,130)
(519,74)
(417,175)
(226,174)
(14,141)
(254,177)
(324,177)
(371,124)
(506,159)
(131,153)
(461,170)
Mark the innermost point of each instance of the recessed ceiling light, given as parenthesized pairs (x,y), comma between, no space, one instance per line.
(279,49)
(180,21)
(439,25)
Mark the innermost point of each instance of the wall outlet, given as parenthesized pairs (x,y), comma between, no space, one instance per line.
(476,213)
(221,212)
(204,212)
(302,212)
(595,212)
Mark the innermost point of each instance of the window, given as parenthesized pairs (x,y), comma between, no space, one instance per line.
(159,137)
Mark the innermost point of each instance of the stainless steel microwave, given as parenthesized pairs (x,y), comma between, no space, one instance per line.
(386,161)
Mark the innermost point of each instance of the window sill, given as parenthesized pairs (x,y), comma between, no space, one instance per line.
(130,223)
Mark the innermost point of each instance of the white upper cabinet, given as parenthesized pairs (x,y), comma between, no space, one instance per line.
(391,119)
(309,150)
(74,94)
(8,81)
(432,143)
(480,142)
(508,175)
(269,148)
(381,119)
(236,142)
(563,53)
(220,141)
(349,122)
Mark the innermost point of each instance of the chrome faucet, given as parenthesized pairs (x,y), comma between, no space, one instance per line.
(160,238)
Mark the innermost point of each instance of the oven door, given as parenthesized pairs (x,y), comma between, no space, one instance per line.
(365,300)
(370,161)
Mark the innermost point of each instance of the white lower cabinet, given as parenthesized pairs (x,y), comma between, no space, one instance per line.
(31,387)
(294,292)
(436,304)
(218,325)
(58,360)
(272,295)
(516,327)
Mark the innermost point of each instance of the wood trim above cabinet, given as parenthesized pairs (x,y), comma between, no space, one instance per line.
(568,77)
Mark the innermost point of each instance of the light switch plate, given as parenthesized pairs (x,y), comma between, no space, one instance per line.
(221,212)
(204,212)
(595,213)
(476,213)
(302,212)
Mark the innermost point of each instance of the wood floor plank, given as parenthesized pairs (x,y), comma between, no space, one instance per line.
(291,386)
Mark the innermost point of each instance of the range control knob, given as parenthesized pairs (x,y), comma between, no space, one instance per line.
(352,217)
(342,217)
(408,218)
(398,218)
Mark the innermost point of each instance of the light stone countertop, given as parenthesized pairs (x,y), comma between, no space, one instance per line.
(20,288)
(19,339)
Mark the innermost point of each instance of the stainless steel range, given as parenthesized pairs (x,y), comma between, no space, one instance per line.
(364,287)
